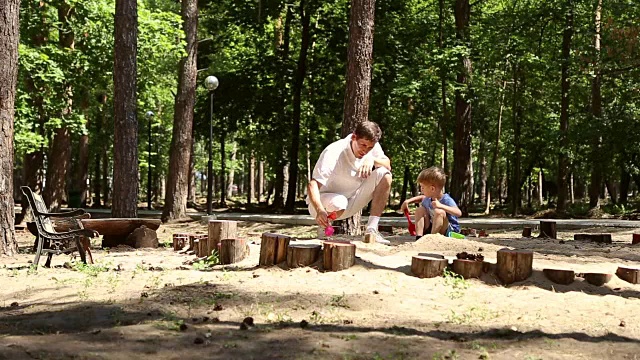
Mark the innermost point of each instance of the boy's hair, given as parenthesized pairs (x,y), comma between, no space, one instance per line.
(368,130)
(433,175)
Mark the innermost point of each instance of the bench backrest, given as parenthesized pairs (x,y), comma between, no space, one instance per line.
(38,207)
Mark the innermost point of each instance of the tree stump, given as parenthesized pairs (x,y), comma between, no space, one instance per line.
(467,268)
(143,237)
(180,241)
(233,251)
(597,279)
(514,265)
(548,229)
(635,239)
(273,249)
(385,228)
(300,255)
(629,274)
(559,276)
(428,266)
(220,230)
(338,255)
(526,232)
(599,238)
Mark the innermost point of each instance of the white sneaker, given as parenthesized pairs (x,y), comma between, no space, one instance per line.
(379,238)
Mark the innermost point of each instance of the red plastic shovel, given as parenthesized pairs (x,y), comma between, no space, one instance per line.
(412,226)
(329,229)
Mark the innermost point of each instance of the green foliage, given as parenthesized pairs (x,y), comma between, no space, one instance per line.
(208,262)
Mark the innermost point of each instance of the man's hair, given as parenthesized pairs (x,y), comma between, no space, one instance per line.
(368,130)
(433,175)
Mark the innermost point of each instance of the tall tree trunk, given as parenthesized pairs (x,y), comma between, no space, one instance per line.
(359,64)
(125,149)
(571,189)
(223,170)
(444,123)
(462,179)
(515,178)
(358,87)
(260,180)
(83,162)
(59,160)
(191,197)
(305,15)
(596,113)
(493,176)
(232,171)
(175,206)
(540,182)
(625,180)
(9,40)
(563,157)
(405,184)
(252,178)
(105,177)
(483,168)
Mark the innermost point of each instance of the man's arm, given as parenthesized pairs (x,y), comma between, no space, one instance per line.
(313,189)
(382,161)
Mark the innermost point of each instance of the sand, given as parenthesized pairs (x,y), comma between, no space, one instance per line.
(373,310)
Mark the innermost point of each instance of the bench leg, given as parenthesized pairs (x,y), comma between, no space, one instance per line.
(86,244)
(48,263)
(80,247)
(36,260)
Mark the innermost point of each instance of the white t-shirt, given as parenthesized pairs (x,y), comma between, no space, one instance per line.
(337,167)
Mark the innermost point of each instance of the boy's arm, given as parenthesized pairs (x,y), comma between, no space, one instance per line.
(415,199)
(453,210)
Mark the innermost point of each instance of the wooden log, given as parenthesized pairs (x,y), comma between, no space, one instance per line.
(629,274)
(548,229)
(428,266)
(526,232)
(219,230)
(599,238)
(338,255)
(597,279)
(203,247)
(273,249)
(233,250)
(300,255)
(195,246)
(369,238)
(180,241)
(514,265)
(635,239)
(385,228)
(559,276)
(467,268)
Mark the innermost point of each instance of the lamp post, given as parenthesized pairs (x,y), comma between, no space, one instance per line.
(149,116)
(211,83)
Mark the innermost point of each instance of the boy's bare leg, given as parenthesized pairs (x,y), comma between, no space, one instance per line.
(421,218)
(439,223)
(381,195)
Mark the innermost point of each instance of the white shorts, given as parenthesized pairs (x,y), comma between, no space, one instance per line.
(336,202)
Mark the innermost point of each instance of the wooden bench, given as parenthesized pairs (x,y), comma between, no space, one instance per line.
(54,240)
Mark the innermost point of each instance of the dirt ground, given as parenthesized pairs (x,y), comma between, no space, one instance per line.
(145,304)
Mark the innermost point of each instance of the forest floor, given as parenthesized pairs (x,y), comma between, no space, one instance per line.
(145,304)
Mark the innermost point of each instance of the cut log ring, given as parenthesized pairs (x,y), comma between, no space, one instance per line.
(559,276)
(514,265)
(597,279)
(180,241)
(526,232)
(635,239)
(599,238)
(273,249)
(338,255)
(467,268)
(233,250)
(300,255)
(488,267)
(548,229)
(629,274)
(428,266)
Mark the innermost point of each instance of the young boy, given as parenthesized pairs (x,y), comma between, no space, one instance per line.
(438,211)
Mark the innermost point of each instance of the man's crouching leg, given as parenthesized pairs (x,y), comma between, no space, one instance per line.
(378,202)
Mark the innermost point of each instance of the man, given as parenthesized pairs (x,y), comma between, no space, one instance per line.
(349,174)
